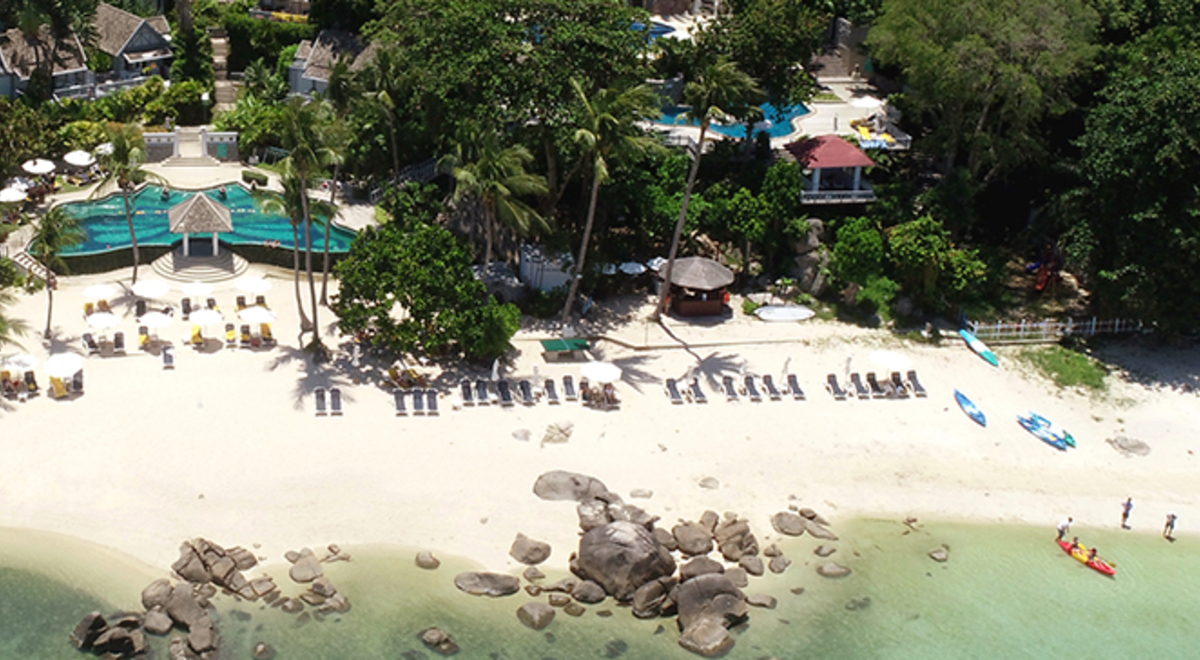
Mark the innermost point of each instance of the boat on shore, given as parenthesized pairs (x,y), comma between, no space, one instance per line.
(1080,553)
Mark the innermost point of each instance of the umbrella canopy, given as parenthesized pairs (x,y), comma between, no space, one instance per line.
(865,102)
(253,285)
(601,372)
(64,365)
(256,314)
(197,288)
(20,362)
(206,317)
(38,166)
(79,159)
(632,268)
(157,320)
(103,320)
(700,274)
(104,149)
(100,292)
(656,263)
(891,360)
(11,196)
(151,288)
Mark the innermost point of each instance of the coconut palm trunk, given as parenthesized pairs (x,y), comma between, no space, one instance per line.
(132,234)
(665,292)
(577,271)
(308,267)
(328,232)
(305,324)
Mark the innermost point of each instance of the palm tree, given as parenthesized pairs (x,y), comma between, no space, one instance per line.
(720,90)
(10,328)
(388,81)
(56,230)
(123,168)
(340,93)
(494,176)
(607,130)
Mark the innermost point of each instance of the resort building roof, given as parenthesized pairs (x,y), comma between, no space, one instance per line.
(828,151)
(21,55)
(318,56)
(116,29)
(200,214)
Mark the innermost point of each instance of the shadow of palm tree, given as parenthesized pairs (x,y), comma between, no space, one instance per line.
(315,375)
(633,372)
(712,367)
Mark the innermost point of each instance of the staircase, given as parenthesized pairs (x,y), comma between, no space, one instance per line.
(221,268)
(225,90)
(190,151)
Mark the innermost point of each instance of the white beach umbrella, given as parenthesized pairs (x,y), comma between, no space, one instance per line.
(253,285)
(63,365)
(197,288)
(100,292)
(865,102)
(38,166)
(632,268)
(891,360)
(21,362)
(103,320)
(257,314)
(12,196)
(601,372)
(206,317)
(151,288)
(104,149)
(79,159)
(656,263)
(157,320)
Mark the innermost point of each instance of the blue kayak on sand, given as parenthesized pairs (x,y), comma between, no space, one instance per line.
(970,408)
(980,348)
(1041,432)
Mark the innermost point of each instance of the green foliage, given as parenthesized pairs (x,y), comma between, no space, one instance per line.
(81,135)
(918,249)
(412,205)
(543,304)
(126,105)
(877,296)
(181,102)
(748,306)
(284,64)
(858,255)
(425,272)
(253,39)
(98,60)
(250,176)
(258,123)
(769,39)
(193,57)
(1067,368)
(24,134)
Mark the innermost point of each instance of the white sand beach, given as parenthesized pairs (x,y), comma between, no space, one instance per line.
(227,446)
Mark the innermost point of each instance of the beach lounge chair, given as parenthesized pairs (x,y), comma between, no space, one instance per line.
(89,343)
(168,357)
(431,401)
(6,383)
(335,401)
(859,389)
(915,384)
(418,402)
(673,391)
(898,385)
(88,309)
(794,387)
(31,383)
(751,390)
(245,337)
(139,308)
(551,391)
(481,392)
(468,393)
(730,390)
(585,392)
(143,338)
(211,303)
(102,306)
(873,382)
(58,389)
(268,339)
(526,390)
(241,303)
(197,337)
(185,306)
(231,336)
(261,301)
(769,386)
(77,382)
(319,399)
(505,391)
(831,386)
(698,394)
(119,342)
(569,392)
(398,398)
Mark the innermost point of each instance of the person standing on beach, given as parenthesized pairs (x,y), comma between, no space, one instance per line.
(1126,509)
(1064,527)
(1169,528)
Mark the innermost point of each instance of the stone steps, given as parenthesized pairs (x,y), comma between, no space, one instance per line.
(191,161)
(221,268)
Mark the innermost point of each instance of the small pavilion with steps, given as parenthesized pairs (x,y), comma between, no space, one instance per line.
(200,261)
(200,214)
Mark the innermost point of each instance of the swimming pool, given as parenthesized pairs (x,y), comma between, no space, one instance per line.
(104,225)
(778,123)
(655,30)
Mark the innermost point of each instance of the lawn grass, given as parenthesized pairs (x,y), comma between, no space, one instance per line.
(1068,368)
(826,97)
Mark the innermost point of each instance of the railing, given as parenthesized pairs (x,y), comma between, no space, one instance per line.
(422,171)
(106,88)
(1051,330)
(837,196)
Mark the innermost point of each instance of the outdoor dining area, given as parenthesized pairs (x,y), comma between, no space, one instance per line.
(698,287)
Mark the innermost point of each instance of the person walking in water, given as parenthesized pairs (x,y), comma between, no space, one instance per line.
(1064,527)
(1126,509)
(1169,528)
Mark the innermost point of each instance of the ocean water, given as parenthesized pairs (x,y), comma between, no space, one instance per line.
(1006,592)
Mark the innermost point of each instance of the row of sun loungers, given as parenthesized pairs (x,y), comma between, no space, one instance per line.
(91,346)
(894,387)
(424,402)
(334,406)
(22,387)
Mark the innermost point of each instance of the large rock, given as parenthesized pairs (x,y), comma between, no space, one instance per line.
(438,641)
(562,485)
(692,539)
(323,586)
(752,565)
(427,561)
(816,529)
(788,523)
(487,584)
(190,565)
(940,555)
(243,558)
(221,569)
(157,593)
(202,636)
(648,600)
(592,514)
(306,567)
(710,596)
(536,615)
(707,638)
(263,651)
(665,538)
(116,641)
(831,569)
(157,622)
(700,566)
(778,564)
(528,551)
(178,650)
(762,600)
(622,556)
(88,630)
(183,608)
(738,576)
(588,592)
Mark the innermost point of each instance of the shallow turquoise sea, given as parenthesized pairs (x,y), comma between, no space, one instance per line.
(1006,592)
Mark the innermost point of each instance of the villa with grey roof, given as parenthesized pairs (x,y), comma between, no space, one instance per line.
(314,60)
(21,56)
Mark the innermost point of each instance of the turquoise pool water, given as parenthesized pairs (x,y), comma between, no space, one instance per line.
(781,121)
(104,224)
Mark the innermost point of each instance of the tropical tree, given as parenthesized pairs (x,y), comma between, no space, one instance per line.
(388,80)
(123,168)
(607,130)
(340,93)
(56,230)
(493,175)
(720,90)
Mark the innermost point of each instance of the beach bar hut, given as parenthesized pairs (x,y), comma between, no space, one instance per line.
(698,287)
(835,170)
(200,214)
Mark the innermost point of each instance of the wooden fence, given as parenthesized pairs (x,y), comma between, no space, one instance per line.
(1051,330)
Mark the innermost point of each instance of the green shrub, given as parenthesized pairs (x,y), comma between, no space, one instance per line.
(182,101)
(544,304)
(748,306)
(81,135)
(877,296)
(1067,368)
(250,176)
(251,38)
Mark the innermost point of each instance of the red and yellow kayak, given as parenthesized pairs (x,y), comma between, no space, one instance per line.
(1081,554)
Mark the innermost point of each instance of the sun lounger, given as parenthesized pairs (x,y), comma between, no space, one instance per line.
(859,389)
(58,389)
(585,392)
(119,342)
(873,382)
(143,338)
(398,397)
(769,386)
(185,306)
(267,338)
(898,385)
(569,392)
(335,401)
(698,394)
(102,306)
(431,401)
(730,390)
(31,383)
(6,384)
(261,301)
(831,386)
(319,398)
(673,391)
(77,382)
(468,393)
(794,388)
(506,397)
(89,343)
(168,357)
(418,402)
(231,336)
(245,337)
(481,392)
(526,390)
(197,337)
(915,384)
(211,303)
(751,390)
(88,309)
(139,308)
(551,391)
(241,303)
